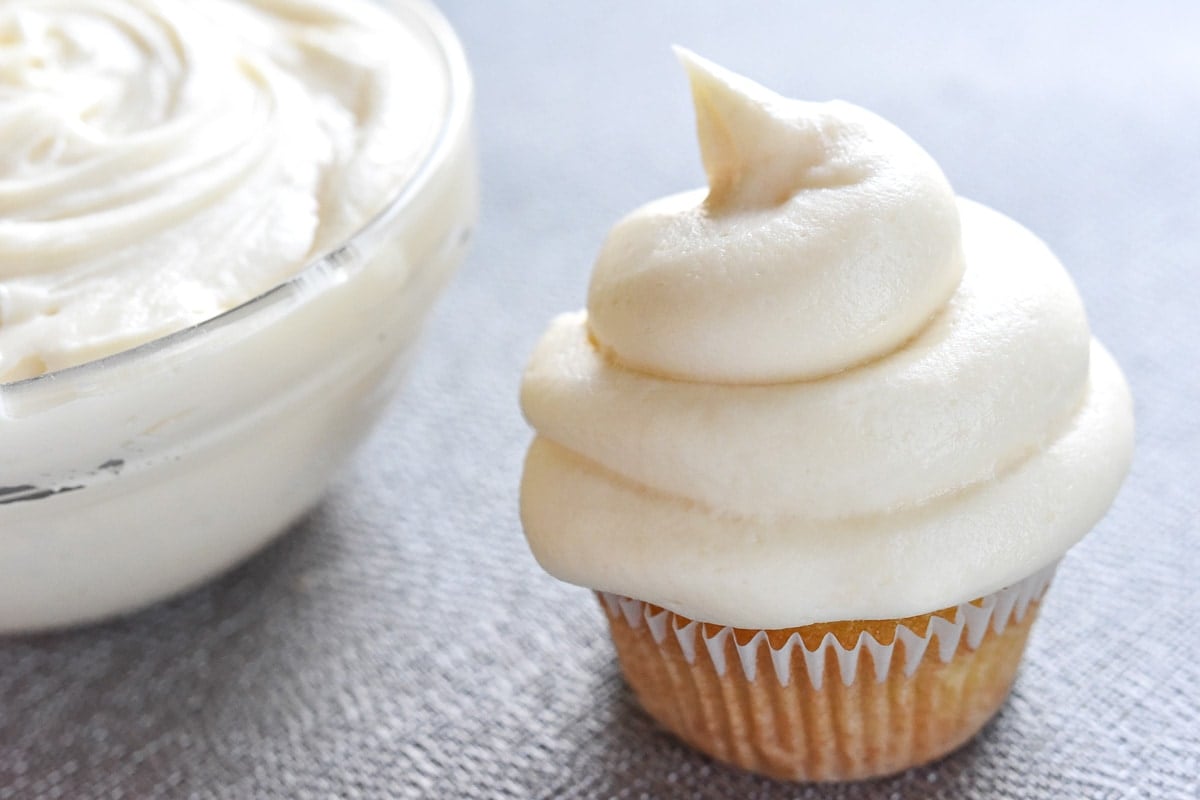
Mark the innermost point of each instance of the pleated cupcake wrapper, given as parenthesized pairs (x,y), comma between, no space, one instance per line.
(970,620)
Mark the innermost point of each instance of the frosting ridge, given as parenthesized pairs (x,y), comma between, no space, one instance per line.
(885,435)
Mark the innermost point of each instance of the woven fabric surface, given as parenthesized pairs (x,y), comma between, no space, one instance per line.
(401,641)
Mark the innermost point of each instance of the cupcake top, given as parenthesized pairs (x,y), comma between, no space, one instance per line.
(822,389)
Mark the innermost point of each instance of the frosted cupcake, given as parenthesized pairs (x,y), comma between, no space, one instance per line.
(818,442)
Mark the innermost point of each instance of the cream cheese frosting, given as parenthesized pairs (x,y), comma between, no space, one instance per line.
(167,160)
(824,388)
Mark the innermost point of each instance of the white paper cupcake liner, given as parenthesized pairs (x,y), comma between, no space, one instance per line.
(970,620)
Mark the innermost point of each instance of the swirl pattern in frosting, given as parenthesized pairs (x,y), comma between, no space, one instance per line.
(823,389)
(166,160)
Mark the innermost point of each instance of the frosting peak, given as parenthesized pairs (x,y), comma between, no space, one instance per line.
(827,238)
(756,152)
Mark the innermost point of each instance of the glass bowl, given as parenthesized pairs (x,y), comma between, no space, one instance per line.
(137,476)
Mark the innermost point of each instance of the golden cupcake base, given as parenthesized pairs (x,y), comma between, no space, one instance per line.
(817,727)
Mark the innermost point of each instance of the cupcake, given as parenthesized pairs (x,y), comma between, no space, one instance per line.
(818,442)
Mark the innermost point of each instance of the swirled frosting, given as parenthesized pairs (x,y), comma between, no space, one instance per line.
(166,160)
(822,389)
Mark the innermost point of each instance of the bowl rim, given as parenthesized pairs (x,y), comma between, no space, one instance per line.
(455,125)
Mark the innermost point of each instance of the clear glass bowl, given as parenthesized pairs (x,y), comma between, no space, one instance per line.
(134,477)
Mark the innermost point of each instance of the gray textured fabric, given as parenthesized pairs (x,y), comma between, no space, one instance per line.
(401,642)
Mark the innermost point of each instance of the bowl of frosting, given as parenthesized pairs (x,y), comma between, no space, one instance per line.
(221,227)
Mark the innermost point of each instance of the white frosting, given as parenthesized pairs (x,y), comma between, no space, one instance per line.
(166,160)
(714,440)
(852,228)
